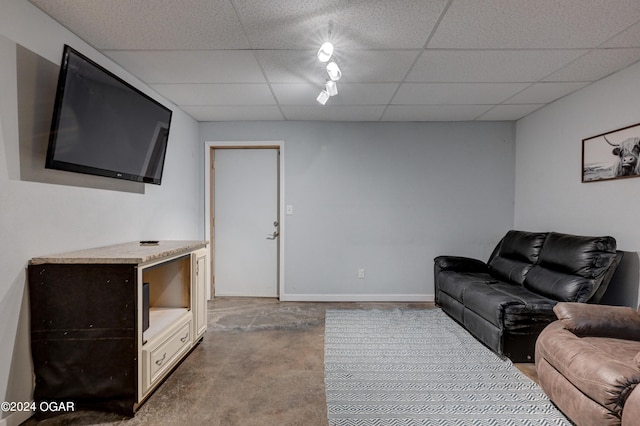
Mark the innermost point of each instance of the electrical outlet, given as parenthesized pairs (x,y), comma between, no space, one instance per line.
(361,273)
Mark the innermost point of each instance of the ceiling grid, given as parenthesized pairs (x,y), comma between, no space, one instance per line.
(416,60)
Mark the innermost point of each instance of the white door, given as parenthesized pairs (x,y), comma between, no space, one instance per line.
(245,222)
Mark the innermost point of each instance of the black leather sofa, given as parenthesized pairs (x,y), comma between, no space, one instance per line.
(507,301)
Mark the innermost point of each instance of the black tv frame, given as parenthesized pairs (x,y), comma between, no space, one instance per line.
(161,132)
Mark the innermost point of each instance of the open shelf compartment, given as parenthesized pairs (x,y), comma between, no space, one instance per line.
(169,295)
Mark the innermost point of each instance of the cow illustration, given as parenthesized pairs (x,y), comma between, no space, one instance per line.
(627,151)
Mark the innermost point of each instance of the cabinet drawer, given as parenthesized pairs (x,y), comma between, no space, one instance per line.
(163,357)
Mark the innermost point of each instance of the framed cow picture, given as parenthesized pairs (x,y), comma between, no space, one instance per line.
(612,155)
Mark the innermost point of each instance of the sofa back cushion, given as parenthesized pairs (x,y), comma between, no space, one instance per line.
(570,268)
(516,254)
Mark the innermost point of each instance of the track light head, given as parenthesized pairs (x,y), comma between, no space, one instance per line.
(334,71)
(331,88)
(325,51)
(323,97)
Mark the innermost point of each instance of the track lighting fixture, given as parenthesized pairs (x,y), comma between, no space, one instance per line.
(325,53)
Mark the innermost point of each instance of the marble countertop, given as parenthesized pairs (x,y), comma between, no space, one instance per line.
(131,252)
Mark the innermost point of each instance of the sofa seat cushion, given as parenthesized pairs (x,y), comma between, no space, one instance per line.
(509,307)
(455,283)
(602,368)
(535,312)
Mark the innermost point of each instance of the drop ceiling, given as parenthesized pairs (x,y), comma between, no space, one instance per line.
(413,60)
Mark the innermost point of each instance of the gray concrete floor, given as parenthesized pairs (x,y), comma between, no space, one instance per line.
(260,363)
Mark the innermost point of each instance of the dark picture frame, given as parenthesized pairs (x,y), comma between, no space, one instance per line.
(612,155)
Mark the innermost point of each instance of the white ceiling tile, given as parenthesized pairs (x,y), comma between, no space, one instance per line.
(533,24)
(596,64)
(364,93)
(433,112)
(362,66)
(489,65)
(541,93)
(375,66)
(455,93)
(161,24)
(627,38)
(348,93)
(333,113)
(233,113)
(509,112)
(291,66)
(216,94)
(190,66)
(295,24)
(297,93)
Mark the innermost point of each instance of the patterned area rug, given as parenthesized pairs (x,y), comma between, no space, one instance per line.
(419,367)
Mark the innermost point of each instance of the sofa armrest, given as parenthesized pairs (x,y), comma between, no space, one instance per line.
(460,264)
(631,409)
(584,319)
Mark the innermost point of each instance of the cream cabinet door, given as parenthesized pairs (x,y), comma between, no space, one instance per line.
(200,293)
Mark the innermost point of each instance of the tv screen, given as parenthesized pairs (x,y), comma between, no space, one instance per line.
(104,126)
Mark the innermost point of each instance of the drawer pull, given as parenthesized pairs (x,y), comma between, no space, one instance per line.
(184,339)
(161,360)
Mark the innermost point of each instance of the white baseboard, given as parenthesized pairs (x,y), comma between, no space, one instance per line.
(357,297)
(16,418)
(244,295)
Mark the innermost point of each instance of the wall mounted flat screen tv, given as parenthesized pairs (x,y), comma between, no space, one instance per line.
(104,126)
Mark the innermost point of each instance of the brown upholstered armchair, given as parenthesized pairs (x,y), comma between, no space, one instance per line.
(588,363)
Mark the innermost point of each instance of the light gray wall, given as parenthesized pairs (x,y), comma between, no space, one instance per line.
(549,192)
(38,218)
(387,197)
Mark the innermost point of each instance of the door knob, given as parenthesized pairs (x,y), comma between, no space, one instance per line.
(273,236)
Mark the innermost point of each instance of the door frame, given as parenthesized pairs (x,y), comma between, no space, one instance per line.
(210,148)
